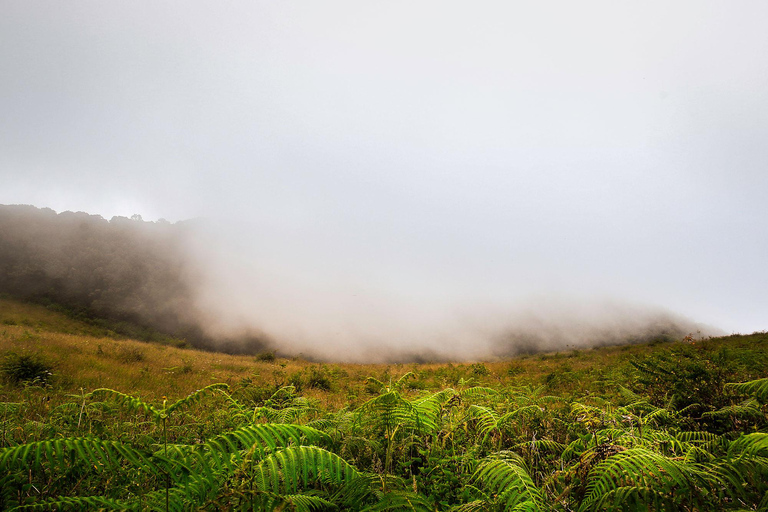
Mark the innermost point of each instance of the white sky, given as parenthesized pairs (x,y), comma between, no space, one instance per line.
(438,152)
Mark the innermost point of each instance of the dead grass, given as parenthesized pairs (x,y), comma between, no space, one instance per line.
(83,361)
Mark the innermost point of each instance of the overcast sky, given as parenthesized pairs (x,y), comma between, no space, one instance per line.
(434,152)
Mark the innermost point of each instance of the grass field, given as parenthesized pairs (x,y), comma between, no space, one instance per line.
(655,426)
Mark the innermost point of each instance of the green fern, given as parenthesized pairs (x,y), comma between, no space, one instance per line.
(756,388)
(401,501)
(672,480)
(505,476)
(136,403)
(748,410)
(294,468)
(76,503)
(96,453)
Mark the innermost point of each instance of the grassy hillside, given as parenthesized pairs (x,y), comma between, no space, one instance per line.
(86,356)
(642,427)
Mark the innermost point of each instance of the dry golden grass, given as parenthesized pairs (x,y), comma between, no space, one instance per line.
(86,357)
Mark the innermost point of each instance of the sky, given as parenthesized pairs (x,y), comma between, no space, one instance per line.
(366,166)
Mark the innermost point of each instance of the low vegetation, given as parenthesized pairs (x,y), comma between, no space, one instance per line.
(93,422)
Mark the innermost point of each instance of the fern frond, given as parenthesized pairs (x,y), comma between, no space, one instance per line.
(76,503)
(526,409)
(389,410)
(426,410)
(179,499)
(131,403)
(472,506)
(305,502)
(6,407)
(755,444)
(261,436)
(382,387)
(633,498)
(629,395)
(401,501)
(487,419)
(757,388)
(196,396)
(748,410)
(283,394)
(577,447)
(505,475)
(294,468)
(477,391)
(94,452)
(324,424)
(541,445)
(698,437)
(401,381)
(642,468)
(287,412)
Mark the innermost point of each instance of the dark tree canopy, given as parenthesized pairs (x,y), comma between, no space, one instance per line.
(125,270)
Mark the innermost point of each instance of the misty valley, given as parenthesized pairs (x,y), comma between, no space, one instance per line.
(383,256)
(115,396)
(154,282)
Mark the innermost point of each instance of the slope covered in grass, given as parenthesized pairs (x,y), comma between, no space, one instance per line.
(95,421)
(88,356)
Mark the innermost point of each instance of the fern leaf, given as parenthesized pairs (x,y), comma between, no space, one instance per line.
(641,467)
(196,396)
(747,410)
(756,388)
(755,444)
(129,402)
(477,391)
(76,503)
(505,474)
(90,450)
(294,468)
(472,506)
(401,501)
(265,437)
(541,445)
(487,419)
(305,502)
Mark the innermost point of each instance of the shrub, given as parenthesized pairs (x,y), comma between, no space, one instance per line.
(130,355)
(318,378)
(26,368)
(685,378)
(296,379)
(416,384)
(267,356)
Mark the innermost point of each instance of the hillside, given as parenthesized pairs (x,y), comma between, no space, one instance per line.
(86,356)
(180,284)
(653,426)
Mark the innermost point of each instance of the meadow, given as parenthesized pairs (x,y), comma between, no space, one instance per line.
(92,420)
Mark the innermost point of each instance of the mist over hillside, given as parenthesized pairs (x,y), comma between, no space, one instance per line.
(196,281)
(123,269)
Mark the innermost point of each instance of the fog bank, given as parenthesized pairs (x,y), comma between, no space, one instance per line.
(330,302)
(384,178)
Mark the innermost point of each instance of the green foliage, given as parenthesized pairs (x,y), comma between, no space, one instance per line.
(267,356)
(312,377)
(505,476)
(756,388)
(130,355)
(685,378)
(467,448)
(24,367)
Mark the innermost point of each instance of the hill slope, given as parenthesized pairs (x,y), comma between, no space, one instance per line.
(651,426)
(88,356)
